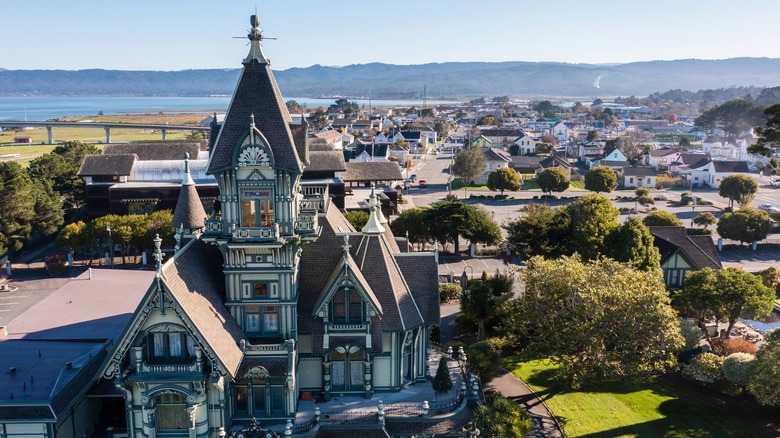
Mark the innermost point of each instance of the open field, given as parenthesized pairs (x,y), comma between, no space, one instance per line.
(93,135)
(656,409)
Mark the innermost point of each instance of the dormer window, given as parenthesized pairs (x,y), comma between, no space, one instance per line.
(347,307)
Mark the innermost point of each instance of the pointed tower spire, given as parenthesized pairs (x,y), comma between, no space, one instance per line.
(256,43)
(189,213)
(378,204)
(373,226)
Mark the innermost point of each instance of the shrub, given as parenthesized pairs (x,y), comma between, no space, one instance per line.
(728,346)
(738,368)
(704,368)
(502,417)
(482,360)
(442,382)
(692,334)
(499,343)
(449,292)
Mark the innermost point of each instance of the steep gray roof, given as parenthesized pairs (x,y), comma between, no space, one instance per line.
(195,279)
(731,166)
(256,94)
(639,171)
(421,272)
(699,250)
(189,210)
(492,154)
(107,165)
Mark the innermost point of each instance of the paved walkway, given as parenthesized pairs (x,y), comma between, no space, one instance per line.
(544,426)
(511,387)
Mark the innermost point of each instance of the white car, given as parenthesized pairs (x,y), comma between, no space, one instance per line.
(769,207)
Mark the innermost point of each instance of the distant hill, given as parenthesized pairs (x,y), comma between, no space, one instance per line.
(450,79)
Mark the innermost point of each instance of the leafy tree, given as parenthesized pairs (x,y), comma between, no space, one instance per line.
(770,277)
(725,294)
(705,219)
(735,116)
(502,179)
(488,119)
(61,167)
(482,229)
(500,417)
(593,219)
(769,136)
(469,164)
(453,219)
(662,218)
(294,107)
(357,218)
(318,119)
(344,106)
(597,101)
(414,224)
(540,231)
(763,385)
(740,188)
(449,292)
(600,179)
(745,225)
(483,360)
(442,129)
(48,208)
(600,320)
(17,207)
(442,382)
(738,368)
(479,304)
(685,143)
(593,135)
(554,179)
(543,148)
(632,243)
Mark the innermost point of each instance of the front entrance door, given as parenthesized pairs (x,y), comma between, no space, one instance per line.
(347,368)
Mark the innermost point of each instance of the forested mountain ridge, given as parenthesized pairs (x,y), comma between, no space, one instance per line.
(450,79)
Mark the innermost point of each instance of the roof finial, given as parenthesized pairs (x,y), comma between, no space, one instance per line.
(187,181)
(252,123)
(373,226)
(256,38)
(346,247)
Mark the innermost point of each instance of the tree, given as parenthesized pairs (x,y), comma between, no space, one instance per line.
(318,119)
(344,106)
(601,320)
(502,179)
(357,218)
(745,225)
(662,218)
(771,278)
(500,417)
(593,219)
(469,164)
(766,373)
(735,116)
(540,231)
(723,294)
(413,223)
(543,148)
(481,228)
(294,107)
(480,303)
(17,207)
(452,219)
(600,179)
(553,179)
(593,135)
(769,136)
(61,167)
(442,129)
(488,119)
(740,188)
(442,382)
(632,243)
(48,208)
(705,219)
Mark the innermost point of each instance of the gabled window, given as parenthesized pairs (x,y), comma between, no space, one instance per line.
(346,307)
(170,347)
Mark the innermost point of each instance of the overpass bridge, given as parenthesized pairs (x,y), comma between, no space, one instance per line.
(99,125)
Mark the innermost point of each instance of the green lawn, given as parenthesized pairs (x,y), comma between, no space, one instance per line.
(655,409)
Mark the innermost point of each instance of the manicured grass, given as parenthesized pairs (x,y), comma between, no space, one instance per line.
(654,409)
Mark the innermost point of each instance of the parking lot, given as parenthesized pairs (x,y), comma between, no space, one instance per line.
(750,260)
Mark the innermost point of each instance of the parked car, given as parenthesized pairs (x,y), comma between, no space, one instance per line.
(775,181)
(423,183)
(766,207)
(413,177)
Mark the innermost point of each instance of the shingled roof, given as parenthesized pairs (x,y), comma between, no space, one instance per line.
(372,171)
(320,161)
(189,212)
(107,165)
(256,94)
(195,279)
(421,272)
(698,250)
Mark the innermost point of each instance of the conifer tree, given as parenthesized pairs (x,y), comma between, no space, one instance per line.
(442,381)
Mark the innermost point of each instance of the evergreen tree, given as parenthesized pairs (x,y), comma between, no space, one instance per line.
(442,381)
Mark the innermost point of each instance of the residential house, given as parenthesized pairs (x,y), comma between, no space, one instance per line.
(482,142)
(501,137)
(635,177)
(494,159)
(556,161)
(415,139)
(524,145)
(682,253)
(661,159)
(711,173)
(334,137)
(525,164)
(611,157)
(589,150)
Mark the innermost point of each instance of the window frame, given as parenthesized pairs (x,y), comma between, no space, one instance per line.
(345,296)
(267,320)
(161,342)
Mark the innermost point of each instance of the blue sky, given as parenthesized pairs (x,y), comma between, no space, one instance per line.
(194,34)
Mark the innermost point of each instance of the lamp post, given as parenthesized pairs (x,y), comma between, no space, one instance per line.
(110,245)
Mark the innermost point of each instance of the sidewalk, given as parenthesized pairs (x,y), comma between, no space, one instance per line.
(511,387)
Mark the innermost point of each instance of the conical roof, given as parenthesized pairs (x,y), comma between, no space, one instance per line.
(189,211)
(258,95)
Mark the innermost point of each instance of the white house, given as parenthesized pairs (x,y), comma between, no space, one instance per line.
(526,145)
(712,173)
(634,177)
